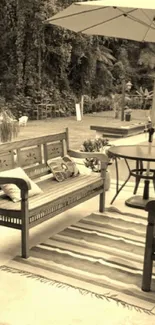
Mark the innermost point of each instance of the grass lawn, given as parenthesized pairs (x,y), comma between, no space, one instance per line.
(78,131)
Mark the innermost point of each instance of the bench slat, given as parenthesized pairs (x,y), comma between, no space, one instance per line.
(5,147)
(7,161)
(53,150)
(28,157)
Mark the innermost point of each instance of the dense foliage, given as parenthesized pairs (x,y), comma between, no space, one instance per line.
(41,62)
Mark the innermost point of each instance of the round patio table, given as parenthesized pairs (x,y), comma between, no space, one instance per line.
(140,154)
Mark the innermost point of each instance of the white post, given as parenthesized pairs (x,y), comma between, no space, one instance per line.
(78,112)
(82,102)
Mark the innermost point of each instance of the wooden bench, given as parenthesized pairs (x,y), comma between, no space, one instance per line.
(32,155)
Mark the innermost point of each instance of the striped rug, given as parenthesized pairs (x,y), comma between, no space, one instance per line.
(100,255)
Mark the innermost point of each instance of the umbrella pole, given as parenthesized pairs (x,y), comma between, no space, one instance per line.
(151,132)
(147,181)
(123,99)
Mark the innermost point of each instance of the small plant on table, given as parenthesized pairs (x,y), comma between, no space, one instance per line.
(97,145)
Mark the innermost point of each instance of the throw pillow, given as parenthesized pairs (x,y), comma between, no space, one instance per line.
(12,191)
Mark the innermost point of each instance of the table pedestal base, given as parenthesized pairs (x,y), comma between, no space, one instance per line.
(137,202)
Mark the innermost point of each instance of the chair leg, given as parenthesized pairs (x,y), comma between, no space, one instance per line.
(137,184)
(139,166)
(148,258)
(102,202)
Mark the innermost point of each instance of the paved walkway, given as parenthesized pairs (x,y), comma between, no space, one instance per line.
(136,139)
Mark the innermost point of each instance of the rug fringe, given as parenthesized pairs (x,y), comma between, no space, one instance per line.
(108,297)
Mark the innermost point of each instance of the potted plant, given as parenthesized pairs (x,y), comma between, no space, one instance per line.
(9,126)
(127,113)
(97,145)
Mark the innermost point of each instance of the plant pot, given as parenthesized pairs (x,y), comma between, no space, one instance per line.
(128,117)
(108,177)
(8,130)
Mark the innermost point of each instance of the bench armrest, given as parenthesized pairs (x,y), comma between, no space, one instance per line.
(79,154)
(21,183)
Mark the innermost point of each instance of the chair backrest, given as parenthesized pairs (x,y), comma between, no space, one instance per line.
(33,154)
(23,120)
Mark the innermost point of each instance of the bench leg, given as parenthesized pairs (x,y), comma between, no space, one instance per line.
(102,202)
(25,227)
(25,242)
(148,260)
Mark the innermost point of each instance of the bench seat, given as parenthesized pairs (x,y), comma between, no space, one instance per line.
(52,191)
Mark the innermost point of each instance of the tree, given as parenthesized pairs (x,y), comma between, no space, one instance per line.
(43,61)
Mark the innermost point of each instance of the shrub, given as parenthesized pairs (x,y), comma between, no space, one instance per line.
(21,105)
(67,102)
(102,104)
(135,102)
(87,107)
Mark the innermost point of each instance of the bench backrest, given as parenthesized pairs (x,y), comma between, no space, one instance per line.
(32,154)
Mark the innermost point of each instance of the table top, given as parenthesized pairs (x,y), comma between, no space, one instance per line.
(134,152)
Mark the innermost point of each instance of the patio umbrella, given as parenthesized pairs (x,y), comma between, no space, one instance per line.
(113,18)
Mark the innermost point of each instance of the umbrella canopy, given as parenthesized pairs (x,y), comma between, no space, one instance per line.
(111,18)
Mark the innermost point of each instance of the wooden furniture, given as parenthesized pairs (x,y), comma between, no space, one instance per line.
(23,120)
(149,255)
(44,111)
(115,131)
(32,155)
